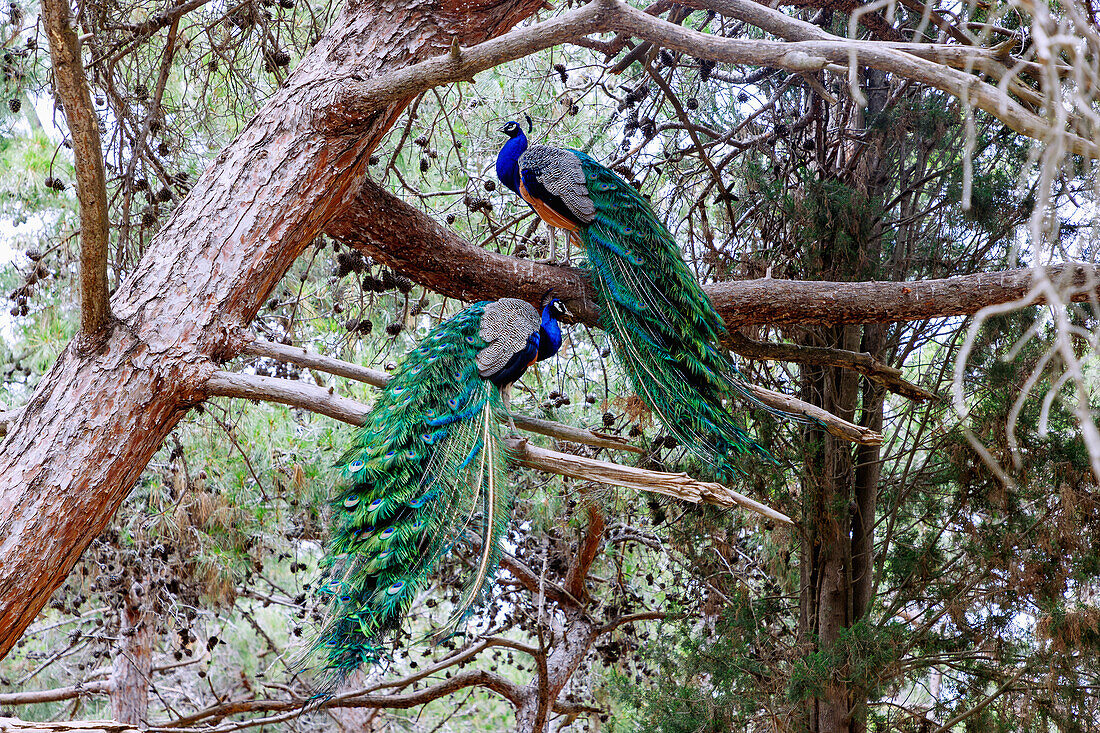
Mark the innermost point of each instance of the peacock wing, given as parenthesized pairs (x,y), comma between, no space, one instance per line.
(506,326)
(556,178)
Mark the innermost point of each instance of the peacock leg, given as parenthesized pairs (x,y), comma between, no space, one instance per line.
(506,398)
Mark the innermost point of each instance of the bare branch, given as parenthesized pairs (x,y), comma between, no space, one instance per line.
(326,402)
(286,392)
(55,695)
(310,360)
(303,357)
(836,426)
(91,185)
(350,102)
(353,699)
(14,725)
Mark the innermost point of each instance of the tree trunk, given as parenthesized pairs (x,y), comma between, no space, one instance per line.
(533,711)
(96,419)
(133,663)
(843,488)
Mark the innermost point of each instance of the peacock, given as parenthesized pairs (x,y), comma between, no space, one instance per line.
(427,466)
(665,330)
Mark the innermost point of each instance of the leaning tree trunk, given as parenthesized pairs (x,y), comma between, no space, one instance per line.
(103,409)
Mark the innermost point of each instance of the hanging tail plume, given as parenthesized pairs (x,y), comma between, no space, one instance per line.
(666,331)
(426,468)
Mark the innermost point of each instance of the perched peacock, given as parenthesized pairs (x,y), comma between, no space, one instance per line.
(427,466)
(665,330)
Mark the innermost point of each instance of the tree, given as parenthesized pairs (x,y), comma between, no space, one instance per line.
(297,170)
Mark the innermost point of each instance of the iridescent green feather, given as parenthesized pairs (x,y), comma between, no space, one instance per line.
(426,468)
(666,332)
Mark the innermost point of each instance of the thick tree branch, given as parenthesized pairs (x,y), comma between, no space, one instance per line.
(802,302)
(91,185)
(405,238)
(399,235)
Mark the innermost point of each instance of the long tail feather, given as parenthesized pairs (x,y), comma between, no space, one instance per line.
(427,465)
(665,329)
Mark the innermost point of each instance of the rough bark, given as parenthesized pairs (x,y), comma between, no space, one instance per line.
(95,420)
(408,240)
(405,238)
(133,663)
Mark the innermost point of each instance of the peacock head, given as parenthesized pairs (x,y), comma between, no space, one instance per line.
(512,129)
(554,307)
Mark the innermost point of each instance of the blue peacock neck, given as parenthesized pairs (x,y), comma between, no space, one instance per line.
(508,161)
(549,335)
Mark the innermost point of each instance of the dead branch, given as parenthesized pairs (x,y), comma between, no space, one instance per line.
(14,725)
(834,425)
(677,485)
(55,695)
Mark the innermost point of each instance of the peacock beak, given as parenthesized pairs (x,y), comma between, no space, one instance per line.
(504,129)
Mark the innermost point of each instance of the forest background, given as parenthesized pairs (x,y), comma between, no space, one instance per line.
(253,158)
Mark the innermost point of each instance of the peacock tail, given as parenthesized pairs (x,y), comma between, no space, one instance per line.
(427,467)
(666,332)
